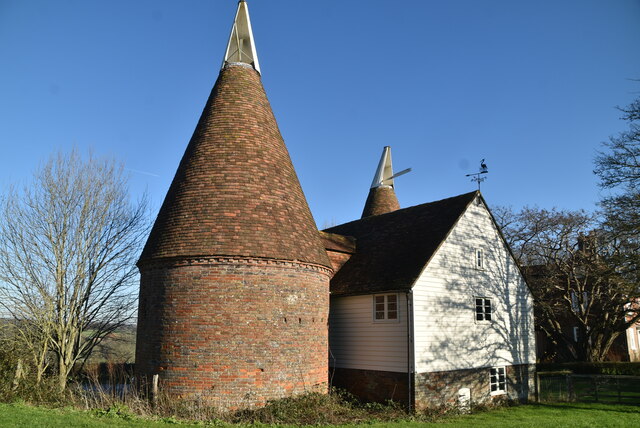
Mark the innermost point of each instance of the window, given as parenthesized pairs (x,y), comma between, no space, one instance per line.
(575,301)
(479,259)
(498,380)
(576,334)
(483,309)
(632,339)
(385,307)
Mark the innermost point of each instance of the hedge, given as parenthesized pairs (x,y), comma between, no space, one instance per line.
(606,368)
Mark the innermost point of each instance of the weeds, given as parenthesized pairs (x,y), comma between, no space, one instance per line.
(317,409)
(108,391)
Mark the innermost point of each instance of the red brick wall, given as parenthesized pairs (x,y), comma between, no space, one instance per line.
(236,332)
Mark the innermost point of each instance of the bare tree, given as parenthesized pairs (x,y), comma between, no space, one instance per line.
(618,167)
(619,164)
(581,277)
(68,246)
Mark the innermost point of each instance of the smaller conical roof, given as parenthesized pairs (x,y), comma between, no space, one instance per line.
(241,47)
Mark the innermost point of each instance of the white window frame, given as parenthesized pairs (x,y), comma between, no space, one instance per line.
(633,338)
(478,259)
(387,308)
(491,313)
(575,303)
(498,377)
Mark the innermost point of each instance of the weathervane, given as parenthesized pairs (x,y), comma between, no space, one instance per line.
(477,177)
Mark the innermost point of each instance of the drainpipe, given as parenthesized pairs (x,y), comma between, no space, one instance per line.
(410,350)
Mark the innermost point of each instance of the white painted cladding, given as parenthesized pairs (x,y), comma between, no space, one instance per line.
(446,333)
(356,341)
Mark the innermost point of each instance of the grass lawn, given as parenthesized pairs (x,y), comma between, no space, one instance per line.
(21,415)
(543,415)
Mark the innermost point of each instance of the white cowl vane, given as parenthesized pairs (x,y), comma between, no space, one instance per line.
(241,47)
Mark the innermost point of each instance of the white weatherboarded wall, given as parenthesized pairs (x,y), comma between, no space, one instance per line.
(356,341)
(447,336)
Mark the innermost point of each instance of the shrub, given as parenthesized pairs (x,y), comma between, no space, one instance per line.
(319,409)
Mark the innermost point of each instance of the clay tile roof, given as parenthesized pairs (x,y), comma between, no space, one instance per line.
(338,243)
(393,248)
(235,192)
(381,200)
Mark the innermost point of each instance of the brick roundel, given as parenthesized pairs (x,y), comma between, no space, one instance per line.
(234,332)
(234,278)
(235,191)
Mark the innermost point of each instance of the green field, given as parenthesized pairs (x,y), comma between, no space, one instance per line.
(542,415)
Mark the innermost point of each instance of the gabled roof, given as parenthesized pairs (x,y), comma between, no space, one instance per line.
(392,249)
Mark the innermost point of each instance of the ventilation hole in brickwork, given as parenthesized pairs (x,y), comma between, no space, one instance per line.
(299,320)
(261,369)
(285,320)
(313,320)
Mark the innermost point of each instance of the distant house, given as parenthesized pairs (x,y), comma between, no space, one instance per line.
(632,336)
(568,297)
(426,302)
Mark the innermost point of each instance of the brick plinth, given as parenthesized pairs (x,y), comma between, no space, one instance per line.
(372,385)
(234,332)
(441,388)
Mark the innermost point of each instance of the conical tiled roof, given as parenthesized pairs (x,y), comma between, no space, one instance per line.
(381,200)
(235,192)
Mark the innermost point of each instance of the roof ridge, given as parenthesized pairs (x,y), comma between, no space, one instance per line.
(400,210)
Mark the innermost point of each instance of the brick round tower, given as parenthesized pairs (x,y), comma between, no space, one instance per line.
(234,284)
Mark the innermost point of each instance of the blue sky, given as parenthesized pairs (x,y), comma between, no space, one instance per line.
(529,86)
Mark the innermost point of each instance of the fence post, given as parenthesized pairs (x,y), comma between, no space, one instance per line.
(595,383)
(537,387)
(154,389)
(18,376)
(570,391)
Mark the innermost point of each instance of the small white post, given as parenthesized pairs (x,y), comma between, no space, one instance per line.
(464,400)
(154,389)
